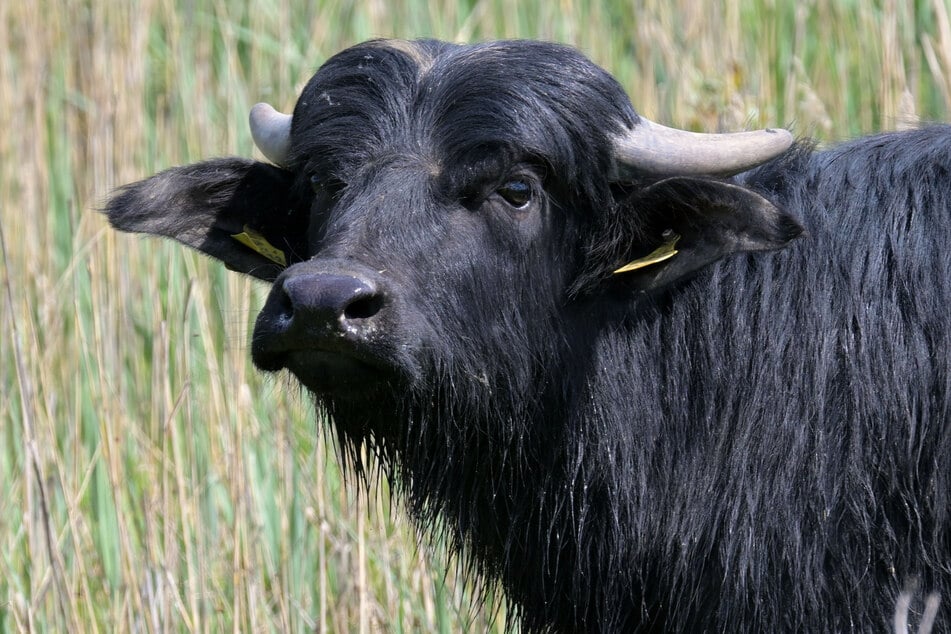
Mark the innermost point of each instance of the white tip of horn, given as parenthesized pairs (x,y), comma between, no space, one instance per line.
(271,131)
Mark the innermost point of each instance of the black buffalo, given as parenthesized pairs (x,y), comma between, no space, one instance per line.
(749,430)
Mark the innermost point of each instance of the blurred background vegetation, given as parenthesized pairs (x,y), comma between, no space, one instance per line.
(150,480)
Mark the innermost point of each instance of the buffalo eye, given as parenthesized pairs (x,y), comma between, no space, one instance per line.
(516,192)
(315,183)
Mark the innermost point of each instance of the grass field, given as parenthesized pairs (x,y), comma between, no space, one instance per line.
(150,480)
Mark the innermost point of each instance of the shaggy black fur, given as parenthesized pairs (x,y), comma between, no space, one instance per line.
(728,441)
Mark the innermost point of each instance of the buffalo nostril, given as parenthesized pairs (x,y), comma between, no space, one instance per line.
(284,306)
(364,307)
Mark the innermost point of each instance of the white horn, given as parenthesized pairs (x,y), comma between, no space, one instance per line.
(657,149)
(271,131)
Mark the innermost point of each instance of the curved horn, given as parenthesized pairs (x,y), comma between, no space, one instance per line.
(651,147)
(271,131)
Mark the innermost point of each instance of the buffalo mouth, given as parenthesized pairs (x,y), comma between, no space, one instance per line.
(329,370)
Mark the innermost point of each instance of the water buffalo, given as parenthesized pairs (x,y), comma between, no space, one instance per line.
(644,379)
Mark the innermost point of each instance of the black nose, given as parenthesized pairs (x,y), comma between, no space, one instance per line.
(309,310)
(325,299)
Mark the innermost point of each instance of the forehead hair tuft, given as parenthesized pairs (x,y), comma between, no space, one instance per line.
(415,50)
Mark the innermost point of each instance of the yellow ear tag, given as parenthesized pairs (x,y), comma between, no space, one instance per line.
(257,242)
(661,253)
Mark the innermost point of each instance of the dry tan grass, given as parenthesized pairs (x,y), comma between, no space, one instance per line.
(150,480)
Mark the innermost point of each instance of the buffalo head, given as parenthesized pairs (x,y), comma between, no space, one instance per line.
(431,210)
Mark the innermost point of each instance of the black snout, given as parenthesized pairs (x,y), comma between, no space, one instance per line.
(310,311)
(324,299)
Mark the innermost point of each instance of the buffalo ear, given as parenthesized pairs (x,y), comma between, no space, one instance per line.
(689,223)
(239,211)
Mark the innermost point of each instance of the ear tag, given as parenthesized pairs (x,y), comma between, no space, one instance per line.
(661,253)
(258,243)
